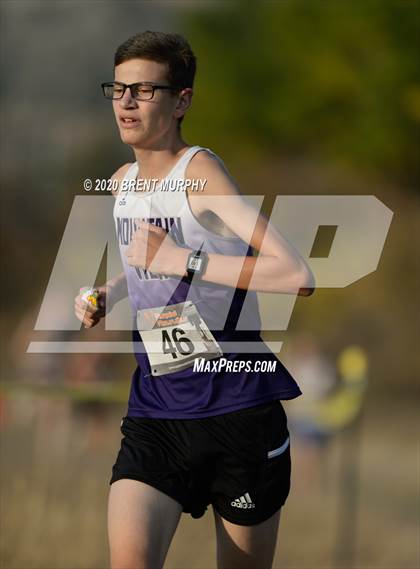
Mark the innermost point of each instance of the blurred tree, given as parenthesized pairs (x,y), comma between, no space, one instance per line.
(339,79)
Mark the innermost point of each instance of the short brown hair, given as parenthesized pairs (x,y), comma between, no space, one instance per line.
(171,49)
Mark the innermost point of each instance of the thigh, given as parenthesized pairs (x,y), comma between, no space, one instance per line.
(246,547)
(141,523)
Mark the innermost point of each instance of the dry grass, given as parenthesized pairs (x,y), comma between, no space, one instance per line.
(56,463)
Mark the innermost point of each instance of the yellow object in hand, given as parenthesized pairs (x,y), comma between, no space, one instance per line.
(90,295)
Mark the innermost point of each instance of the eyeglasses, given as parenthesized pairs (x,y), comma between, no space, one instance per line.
(139,91)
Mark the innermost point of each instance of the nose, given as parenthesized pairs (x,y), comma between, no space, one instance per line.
(127,101)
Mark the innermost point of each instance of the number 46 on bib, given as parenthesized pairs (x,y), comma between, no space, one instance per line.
(174,336)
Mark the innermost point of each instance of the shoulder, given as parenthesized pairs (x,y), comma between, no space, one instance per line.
(119,175)
(204,165)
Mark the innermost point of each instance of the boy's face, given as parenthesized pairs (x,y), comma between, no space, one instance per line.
(152,120)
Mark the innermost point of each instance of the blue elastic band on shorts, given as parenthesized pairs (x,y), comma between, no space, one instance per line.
(279,450)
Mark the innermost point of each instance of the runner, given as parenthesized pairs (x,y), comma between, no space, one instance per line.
(204,424)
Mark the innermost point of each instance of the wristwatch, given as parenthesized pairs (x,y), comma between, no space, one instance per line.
(196,264)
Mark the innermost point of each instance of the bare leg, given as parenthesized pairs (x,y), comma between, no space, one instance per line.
(246,547)
(141,523)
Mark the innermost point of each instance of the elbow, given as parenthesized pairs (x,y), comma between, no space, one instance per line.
(306,282)
(306,291)
(299,280)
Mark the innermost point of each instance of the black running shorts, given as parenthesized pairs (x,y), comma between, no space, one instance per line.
(239,462)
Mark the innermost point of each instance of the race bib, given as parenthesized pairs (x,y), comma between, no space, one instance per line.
(174,336)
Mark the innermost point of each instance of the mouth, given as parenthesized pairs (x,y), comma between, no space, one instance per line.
(128,122)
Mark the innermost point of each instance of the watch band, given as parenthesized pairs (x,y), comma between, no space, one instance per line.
(196,264)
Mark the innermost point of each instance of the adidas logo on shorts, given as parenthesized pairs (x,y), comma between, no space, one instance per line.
(243,502)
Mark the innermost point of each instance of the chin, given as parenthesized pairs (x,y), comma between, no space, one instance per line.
(134,139)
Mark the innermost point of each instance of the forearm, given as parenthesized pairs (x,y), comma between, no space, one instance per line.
(264,273)
(116,288)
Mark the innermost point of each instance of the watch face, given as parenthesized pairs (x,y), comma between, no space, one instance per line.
(195,264)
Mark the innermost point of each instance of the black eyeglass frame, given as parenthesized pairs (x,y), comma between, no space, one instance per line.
(132,86)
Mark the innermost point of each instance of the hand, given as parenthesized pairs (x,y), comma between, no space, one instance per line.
(88,314)
(153,249)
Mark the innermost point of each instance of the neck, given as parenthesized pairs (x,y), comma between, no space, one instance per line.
(156,161)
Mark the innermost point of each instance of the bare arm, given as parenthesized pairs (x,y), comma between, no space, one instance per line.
(116,288)
(278,268)
(110,292)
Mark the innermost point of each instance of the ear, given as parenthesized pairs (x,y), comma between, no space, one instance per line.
(184,102)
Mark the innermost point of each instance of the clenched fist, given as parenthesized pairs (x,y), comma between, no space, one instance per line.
(153,249)
(88,314)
